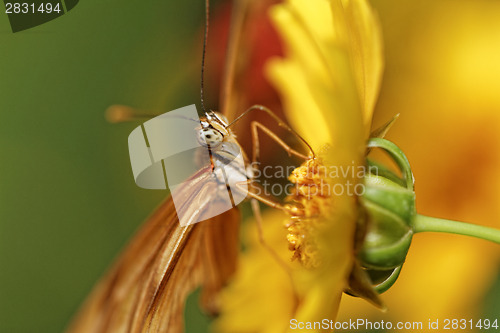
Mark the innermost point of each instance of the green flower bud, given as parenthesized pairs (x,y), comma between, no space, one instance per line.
(389,209)
(387,222)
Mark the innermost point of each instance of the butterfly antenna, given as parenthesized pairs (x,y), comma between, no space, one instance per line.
(122,113)
(207,9)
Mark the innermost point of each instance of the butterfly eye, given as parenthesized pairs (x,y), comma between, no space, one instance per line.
(210,137)
(222,119)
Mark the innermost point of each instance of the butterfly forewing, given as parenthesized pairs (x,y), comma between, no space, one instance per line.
(147,287)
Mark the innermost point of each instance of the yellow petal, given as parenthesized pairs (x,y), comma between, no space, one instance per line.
(366,50)
(261,297)
(327,101)
(335,45)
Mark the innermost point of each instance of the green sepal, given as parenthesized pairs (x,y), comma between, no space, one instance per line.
(360,285)
(389,211)
(391,196)
(387,239)
(383,280)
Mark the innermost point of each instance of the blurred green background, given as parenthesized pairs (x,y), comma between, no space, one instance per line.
(68,200)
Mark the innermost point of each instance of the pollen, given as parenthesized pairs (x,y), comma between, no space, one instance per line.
(310,199)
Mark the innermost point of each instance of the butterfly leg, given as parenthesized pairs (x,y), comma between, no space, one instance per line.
(243,187)
(258,218)
(255,126)
(254,201)
(280,123)
(286,267)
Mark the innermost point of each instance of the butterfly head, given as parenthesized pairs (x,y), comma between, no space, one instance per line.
(213,130)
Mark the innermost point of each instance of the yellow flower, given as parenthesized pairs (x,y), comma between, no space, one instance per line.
(328,81)
(447,90)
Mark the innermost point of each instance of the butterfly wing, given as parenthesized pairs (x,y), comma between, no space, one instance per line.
(209,260)
(147,287)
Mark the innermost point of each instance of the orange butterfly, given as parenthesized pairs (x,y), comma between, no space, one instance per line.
(146,288)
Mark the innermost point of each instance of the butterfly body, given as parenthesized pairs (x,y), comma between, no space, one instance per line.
(223,146)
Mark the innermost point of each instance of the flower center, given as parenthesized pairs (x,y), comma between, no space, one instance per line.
(310,199)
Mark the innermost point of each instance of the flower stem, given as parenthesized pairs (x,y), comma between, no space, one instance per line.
(423,223)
